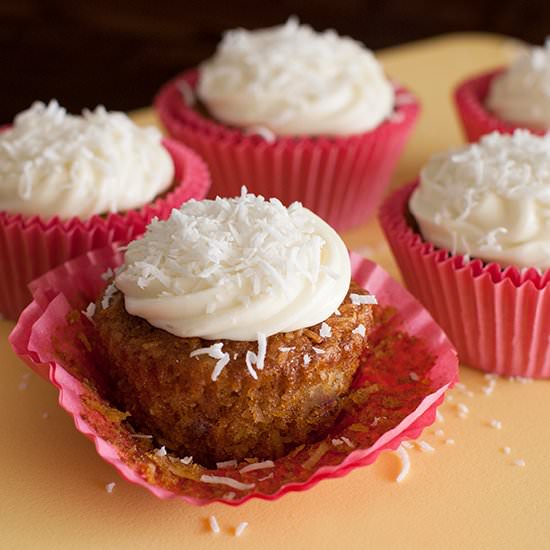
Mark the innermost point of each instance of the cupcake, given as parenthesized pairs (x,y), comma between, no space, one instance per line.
(296,114)
(471,238)
(234,352)
(505,99)
(73,183)
(232,329)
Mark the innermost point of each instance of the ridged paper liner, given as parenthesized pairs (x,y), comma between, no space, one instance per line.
(342,179)
(53,338)
(476,119)
(31,246)
(498,319)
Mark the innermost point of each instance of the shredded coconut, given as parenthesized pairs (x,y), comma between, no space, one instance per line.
(215,352)
(359,329)
(497,424)
(507,450)
(318,350)
(265,478)
(413,376)
(325,331)
(110,291)
(214,526)
(221,480)
(239,530)
(361,299)
(186,460)
(90,311)
(285,349)
(110,487)
(161,451)
(425,447)
(257,466)
(405,463)
(307,359)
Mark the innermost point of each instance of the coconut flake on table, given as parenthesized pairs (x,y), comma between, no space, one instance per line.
(403,456)
(239,530)
(214,526)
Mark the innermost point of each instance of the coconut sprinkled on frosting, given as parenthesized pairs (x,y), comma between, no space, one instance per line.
(56,164)
(490,200)
(242,268)
(521,94)
(291,80)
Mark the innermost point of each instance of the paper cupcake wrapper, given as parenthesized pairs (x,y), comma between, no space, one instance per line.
(476,119)
(30,246)
(51,337)
(342,179)
(498,319)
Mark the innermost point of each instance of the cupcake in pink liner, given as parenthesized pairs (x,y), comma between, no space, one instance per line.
(295,114)
(73,183)
(508,98)
(472,241)
(83,337)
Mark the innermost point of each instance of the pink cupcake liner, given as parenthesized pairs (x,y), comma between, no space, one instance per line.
(470,96)
(30,245)
(51,337)
(498,319)
(342,179)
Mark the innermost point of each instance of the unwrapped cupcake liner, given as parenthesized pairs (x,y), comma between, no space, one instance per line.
(470,96)
(342,179)
(498,319)
(30,245)
(408,368)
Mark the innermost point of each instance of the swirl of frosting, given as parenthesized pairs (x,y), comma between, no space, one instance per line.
(294,81)
(521,94)
(490,200)
(235,268)
(56,164)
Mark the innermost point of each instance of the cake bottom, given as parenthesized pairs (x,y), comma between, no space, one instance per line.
(171,396)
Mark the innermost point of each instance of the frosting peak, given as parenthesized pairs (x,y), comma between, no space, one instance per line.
(294,81)
(490,200)
(56,164)
(521,94)
(233,268)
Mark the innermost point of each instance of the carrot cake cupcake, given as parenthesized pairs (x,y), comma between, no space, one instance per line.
(232,330)
(472,242)
(72,183)
(505,99)
(296,114)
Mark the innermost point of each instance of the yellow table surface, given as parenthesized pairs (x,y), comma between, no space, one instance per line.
(466,495)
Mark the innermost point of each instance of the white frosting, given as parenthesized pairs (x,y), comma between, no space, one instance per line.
(235,268)
(521,94)
(294,81)
(490,200)
(53,163)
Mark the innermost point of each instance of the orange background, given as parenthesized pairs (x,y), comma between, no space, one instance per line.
(466,495)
